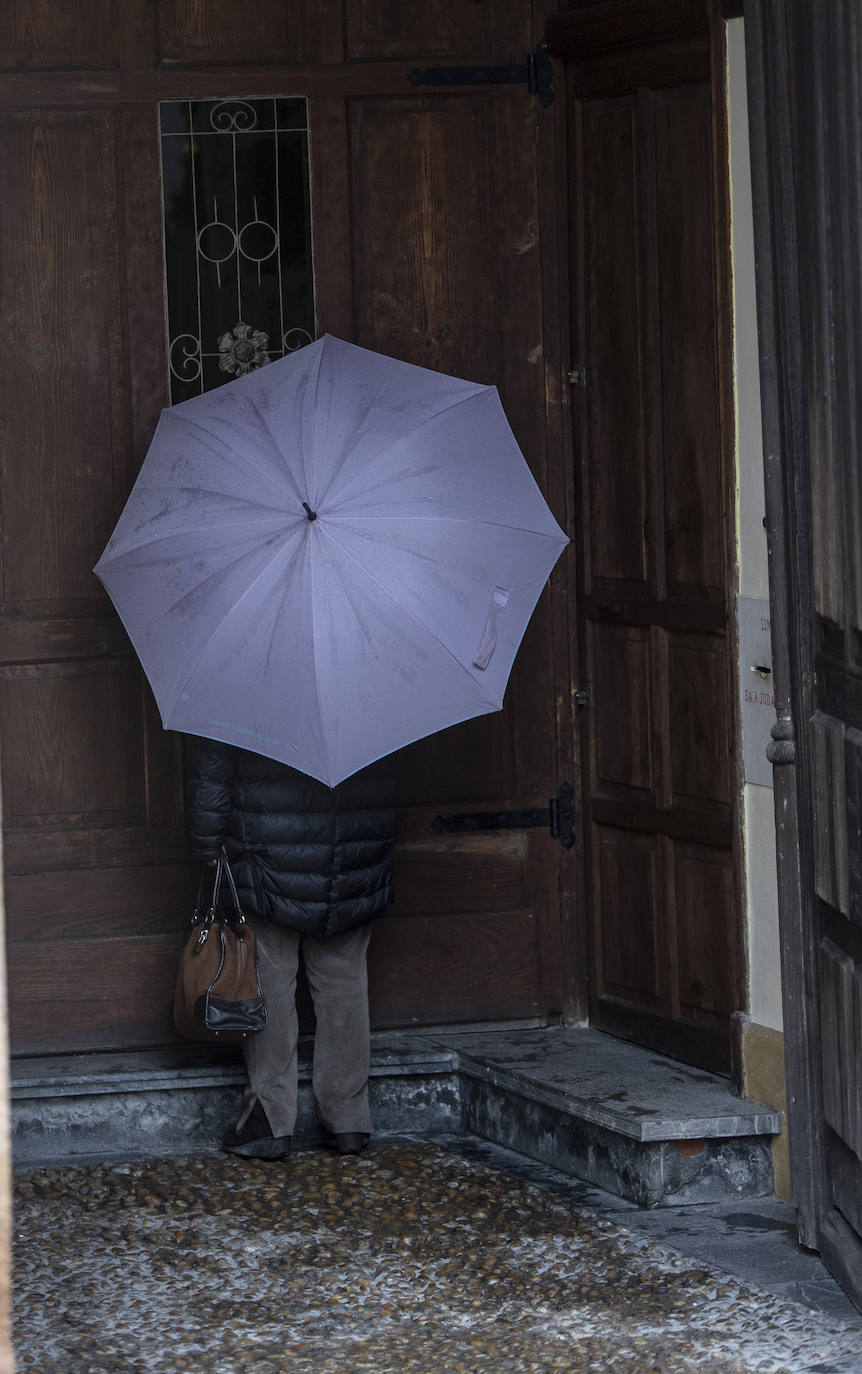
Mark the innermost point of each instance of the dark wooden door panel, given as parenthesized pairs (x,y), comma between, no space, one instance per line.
(693,552)
(615,484)
(653,542)
(67,380)
(703,901)
(628,915)
(697,729)
(502,951)
(221,31)
(430,174)
(623,739)
(55,34)
(427,246)
(447,29)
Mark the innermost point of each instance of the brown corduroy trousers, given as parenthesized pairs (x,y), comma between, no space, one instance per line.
(336,970)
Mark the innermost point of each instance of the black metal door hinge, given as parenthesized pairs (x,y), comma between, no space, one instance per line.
(558,815)
(535,73)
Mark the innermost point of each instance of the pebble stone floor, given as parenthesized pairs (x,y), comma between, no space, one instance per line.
(406,1258)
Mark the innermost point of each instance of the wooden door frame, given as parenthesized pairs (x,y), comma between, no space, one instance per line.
(784,376)
(584,29)
(791,594)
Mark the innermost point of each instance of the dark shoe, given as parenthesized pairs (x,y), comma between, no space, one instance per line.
(350,1143)
(255,1140)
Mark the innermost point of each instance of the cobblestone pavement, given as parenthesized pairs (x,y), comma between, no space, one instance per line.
(406,1258)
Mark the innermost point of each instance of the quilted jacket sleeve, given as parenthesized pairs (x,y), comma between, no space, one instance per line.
(210,770)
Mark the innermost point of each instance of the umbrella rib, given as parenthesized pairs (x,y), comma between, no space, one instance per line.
(221,446)
(405,435)
(239,601)
(461,519)
(320,716)
(283,467)
(152,540)
(486,697)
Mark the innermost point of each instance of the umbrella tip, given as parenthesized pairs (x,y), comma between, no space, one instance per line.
(312,514)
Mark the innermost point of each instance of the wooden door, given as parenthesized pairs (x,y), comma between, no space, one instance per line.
(806,122)
(655,698)
(425,214)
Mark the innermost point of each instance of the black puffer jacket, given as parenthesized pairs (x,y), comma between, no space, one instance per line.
(303,855)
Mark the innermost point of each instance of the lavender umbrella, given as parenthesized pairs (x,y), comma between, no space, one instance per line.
(331,557)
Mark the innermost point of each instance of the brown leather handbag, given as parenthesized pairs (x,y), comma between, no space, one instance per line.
(218,993)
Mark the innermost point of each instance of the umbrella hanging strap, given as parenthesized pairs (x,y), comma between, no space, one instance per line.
(488,642)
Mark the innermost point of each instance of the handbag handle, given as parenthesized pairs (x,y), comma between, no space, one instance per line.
(222,868)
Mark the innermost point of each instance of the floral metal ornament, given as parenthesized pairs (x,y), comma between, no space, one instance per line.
(243,350)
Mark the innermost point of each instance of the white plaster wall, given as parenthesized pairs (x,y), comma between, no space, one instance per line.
(760,885)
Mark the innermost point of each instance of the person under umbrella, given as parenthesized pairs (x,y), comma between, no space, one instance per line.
(323,561)
(312,869)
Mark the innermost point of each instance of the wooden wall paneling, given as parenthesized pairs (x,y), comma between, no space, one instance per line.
(113,902)
(554,206)
(703,902)
(589,29)
(846,1173)
(539,767)
(845,209)
(331,216)
(626,875)
(70,752)
(622,697)
(382,29)
(699,735)
(818,286)
(447,275)
(691,466)
(498,951)
(488,867)
(472,292)
(839,1020)
(54,34)
(432,772)
(323,31)
(671,918)
(423,231)
(615,401)
(662,739)
(831,870)
(142,263)
(258,31)
(654,498)
(853,822)
(114,993)
(47,638)
(61,293)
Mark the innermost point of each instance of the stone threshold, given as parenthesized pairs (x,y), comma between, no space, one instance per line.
(635,1123)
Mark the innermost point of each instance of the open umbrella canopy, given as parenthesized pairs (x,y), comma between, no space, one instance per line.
(330,557)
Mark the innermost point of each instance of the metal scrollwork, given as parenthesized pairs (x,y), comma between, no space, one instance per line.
(185,357)
(233,115)
(294,339)
(236,237)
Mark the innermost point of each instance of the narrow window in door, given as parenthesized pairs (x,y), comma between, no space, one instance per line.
(239,284)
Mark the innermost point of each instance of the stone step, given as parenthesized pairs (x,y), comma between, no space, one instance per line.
(632,1122)
(624,1118)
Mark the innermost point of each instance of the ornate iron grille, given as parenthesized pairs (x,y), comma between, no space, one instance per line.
(236,211)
